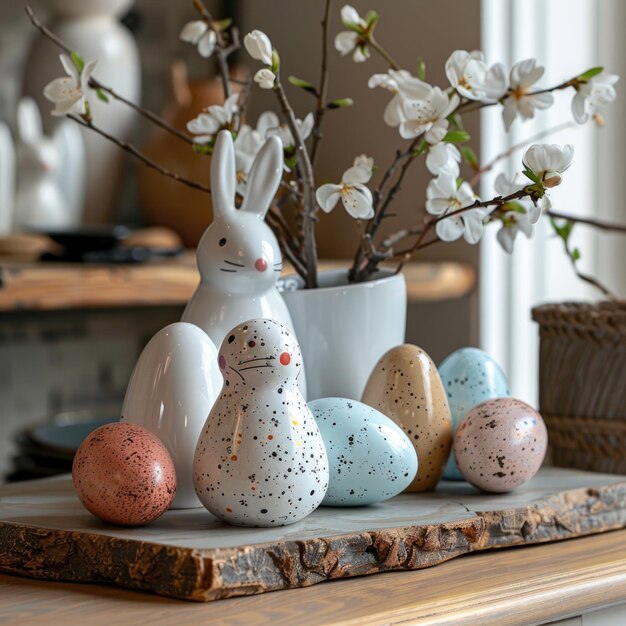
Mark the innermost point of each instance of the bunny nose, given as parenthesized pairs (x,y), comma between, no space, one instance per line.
(260,265)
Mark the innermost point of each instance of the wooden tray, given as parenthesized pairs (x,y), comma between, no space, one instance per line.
(45,533)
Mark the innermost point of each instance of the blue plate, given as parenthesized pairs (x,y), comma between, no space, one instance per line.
(67,431)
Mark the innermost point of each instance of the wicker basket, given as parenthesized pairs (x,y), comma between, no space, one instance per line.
(582,391)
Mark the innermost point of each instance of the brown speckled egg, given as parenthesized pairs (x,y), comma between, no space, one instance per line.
(405,386)
(500,444)
(124,475)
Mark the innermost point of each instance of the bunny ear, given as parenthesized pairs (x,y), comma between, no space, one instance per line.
(223,175)
(29,121)
(265,176)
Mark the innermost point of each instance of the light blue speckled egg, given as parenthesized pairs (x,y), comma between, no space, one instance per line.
(469,377)
(369,456)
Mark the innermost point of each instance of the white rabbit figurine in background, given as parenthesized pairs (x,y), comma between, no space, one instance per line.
(260,459)
(7,180)
(50,172)
(238,256)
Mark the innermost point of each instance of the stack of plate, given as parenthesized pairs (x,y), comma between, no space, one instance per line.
(48,449)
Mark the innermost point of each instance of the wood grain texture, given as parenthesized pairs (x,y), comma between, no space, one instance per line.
(410,532)
(520,587)
(49,286)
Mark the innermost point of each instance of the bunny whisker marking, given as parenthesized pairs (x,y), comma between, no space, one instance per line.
(237,372)
(235,264)
(261,358)
(252,367)
(225,270)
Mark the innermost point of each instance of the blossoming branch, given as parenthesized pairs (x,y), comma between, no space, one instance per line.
(429,120)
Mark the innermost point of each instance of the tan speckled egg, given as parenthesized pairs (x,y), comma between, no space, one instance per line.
(124,475)
(500,444)
(405,386)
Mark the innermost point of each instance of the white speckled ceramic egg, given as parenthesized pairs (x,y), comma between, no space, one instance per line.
(405,386)
(500,444)
(370,458)
(260,460)
(470,376)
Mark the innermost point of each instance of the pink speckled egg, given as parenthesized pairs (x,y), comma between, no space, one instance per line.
(500,444)
(124,475)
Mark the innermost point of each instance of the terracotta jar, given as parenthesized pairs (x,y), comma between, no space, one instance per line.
(166,202)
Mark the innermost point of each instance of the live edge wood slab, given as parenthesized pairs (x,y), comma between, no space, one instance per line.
(45,533)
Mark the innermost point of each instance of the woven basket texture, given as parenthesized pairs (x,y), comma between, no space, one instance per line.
(582,383)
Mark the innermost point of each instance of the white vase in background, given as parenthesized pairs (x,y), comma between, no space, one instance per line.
(344,329)
(172,389)
(91,28)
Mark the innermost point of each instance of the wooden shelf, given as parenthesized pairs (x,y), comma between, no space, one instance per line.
(517,587)
(189,554)
(30,286)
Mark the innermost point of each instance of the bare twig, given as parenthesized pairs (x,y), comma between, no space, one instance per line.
(609,226)
(429,221)
(323,88)
(358,273)
(153,117)
(222,50)
(286,245)
(383,53)
(95,84)
(308,192)
(469,106)
(585,277)
(140,155)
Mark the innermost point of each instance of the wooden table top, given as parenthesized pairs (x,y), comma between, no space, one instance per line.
(520,586)
(31,286)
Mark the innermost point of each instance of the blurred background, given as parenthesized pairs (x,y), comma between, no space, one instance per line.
(63,350)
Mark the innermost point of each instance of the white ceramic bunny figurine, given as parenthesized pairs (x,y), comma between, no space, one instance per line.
(49,172)
(260,460)
(238,256)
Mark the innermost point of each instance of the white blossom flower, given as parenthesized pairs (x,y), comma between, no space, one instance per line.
(428,115)
(513,222)
(356,197)
(443,157)
(247,145)
(466,72)
(259,46)
(520,99)
(270,123)
(442,196)
(505,186)
(404,86)
(548,162)
(265,78)
(69,94)
(592,95)
(215,118)
(200,34)
(348,41)
(495,84)
(366,162)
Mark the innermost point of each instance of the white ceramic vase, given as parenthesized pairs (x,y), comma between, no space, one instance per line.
(91,28)
(172,389)
(344,329)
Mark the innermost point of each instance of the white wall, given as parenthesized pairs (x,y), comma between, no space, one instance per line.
(567,37)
